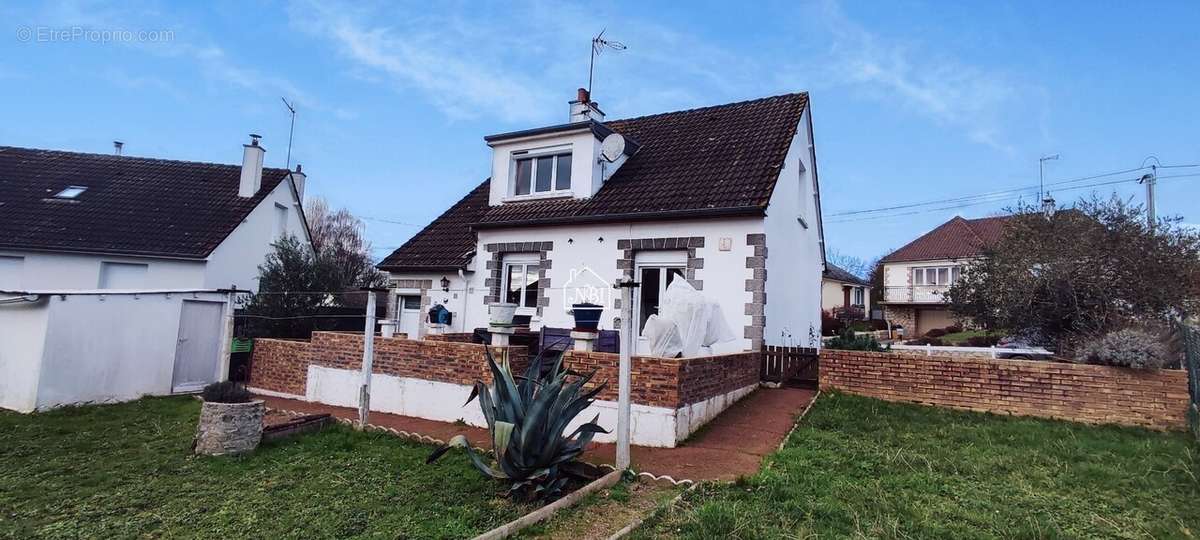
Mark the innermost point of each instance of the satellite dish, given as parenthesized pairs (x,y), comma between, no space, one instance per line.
(612,147)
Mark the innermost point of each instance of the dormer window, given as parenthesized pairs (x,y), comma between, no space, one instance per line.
(537,173)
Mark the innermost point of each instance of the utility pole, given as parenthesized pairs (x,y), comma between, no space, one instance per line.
(1149,179)
(624,373)
(1042,173)
(368,359)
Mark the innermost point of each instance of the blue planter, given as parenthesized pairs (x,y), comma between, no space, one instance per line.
(587,316)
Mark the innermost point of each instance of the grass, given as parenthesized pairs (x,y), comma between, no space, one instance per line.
(859,467)
(125,471)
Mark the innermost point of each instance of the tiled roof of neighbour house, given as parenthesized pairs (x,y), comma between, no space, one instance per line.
(711,161)
(132,205)
(446,243)
(955,239)
(837,273)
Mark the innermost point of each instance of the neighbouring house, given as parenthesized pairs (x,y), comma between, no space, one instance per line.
(71,220)
(845,293)
(725,197)
(916,275)
(111,265)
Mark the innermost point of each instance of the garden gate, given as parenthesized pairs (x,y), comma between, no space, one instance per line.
(797,366)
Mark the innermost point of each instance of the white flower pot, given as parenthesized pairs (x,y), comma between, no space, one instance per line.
(501,313)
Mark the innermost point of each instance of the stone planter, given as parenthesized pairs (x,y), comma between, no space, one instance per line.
(228,429)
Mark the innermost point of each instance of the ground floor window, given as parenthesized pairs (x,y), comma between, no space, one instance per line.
(653,284)
(858,296)
(521,281)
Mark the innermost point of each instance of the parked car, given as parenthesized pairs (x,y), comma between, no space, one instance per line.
(1034,351)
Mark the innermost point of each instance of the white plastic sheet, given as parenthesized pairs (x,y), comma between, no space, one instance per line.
(698,323)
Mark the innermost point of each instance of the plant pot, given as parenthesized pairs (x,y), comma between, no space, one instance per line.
(587,316)
(501,313)
(228,429)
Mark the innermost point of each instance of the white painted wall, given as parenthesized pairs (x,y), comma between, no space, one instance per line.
(586,169)
(22,336)
(794,259)
(234,262)
(79,348)
(832,296)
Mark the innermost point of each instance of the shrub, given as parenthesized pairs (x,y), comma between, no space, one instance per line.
(1129,348)
(954,329)
(830,324)
(982,341)
(226,392)
(847,341)
(527,417)
(935,333)
(926,341)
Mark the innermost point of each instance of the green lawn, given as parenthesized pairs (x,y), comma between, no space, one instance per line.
(858,467)
(124,471)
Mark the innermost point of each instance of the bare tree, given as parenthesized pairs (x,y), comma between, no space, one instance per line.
(855,265)
(337,237)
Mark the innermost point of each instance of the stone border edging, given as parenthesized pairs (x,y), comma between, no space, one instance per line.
(545,512)
(799,418)
(638,521)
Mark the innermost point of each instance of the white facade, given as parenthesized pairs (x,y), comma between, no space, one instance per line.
(833,295)
(793,251)
(68,347)
(233,263)
(902,285)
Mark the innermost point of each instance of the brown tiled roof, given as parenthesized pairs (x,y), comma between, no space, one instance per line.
(709,161)
(837,273)
(132,205)
(447,243)
(955,239)
(712,161)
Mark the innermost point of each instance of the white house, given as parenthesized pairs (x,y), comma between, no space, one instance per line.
(91,221)
(916,275)
(841,290)
(110,267)
(725,197)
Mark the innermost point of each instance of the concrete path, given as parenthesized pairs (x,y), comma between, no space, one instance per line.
(731,445)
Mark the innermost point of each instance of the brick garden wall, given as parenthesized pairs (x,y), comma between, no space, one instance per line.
(1084,393)
(282,366)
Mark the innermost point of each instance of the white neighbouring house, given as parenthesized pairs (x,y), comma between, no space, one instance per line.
(916,275)
(110,267)
(843,291)
(725,197)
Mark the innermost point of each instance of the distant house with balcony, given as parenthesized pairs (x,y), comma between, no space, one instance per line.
(844,293)
(917,275)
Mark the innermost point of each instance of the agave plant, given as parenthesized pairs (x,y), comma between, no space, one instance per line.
(528,417)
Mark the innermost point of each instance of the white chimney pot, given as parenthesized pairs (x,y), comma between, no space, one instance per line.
(252,166)
(299,178)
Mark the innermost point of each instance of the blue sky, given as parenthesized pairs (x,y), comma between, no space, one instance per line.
(912,101)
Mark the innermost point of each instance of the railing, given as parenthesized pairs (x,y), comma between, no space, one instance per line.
(916,294)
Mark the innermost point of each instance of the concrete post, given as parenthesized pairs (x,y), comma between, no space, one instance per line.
(624,374)
(585,341)
(364,394)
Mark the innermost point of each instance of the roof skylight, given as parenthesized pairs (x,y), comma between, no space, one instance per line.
(71,192)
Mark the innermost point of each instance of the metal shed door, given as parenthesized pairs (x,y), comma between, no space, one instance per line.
(198,349)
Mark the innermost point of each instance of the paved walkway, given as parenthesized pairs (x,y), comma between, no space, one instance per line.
(731,445)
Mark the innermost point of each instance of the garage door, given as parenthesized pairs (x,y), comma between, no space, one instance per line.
(928,319)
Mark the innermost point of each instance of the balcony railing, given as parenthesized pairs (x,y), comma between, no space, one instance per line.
(915,294)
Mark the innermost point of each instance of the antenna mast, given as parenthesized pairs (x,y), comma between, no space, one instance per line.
(291,131)
(598,45)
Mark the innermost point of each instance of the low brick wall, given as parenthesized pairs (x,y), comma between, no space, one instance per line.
(453,337)
(1084,393)
(282,365)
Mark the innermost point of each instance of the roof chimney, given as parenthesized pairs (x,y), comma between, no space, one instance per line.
(1048,206)
(252,165)
(117,146)
(583,108)
(299,179)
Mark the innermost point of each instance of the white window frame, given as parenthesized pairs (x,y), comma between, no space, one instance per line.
(522,260)
(533,155)
(860,296)
(659,260)
(953,273)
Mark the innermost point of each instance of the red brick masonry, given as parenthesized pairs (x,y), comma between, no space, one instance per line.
(282,366)
(1083,393)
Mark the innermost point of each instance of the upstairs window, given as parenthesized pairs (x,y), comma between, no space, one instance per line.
(943,276)
(545,173)
(71,192)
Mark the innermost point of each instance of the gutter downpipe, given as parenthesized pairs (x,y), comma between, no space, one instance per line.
(463,276)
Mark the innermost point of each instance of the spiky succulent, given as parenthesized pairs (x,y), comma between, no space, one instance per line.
(528,417)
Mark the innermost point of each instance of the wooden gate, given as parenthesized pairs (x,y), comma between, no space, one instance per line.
(790,365)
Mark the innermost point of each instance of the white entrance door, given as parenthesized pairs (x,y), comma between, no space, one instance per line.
(198,348)
(410,315)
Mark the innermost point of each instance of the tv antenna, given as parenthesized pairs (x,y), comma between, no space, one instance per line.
(291,131)
(598,46)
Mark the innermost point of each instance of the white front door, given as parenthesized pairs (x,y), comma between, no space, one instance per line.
(198,347)
(409,315)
